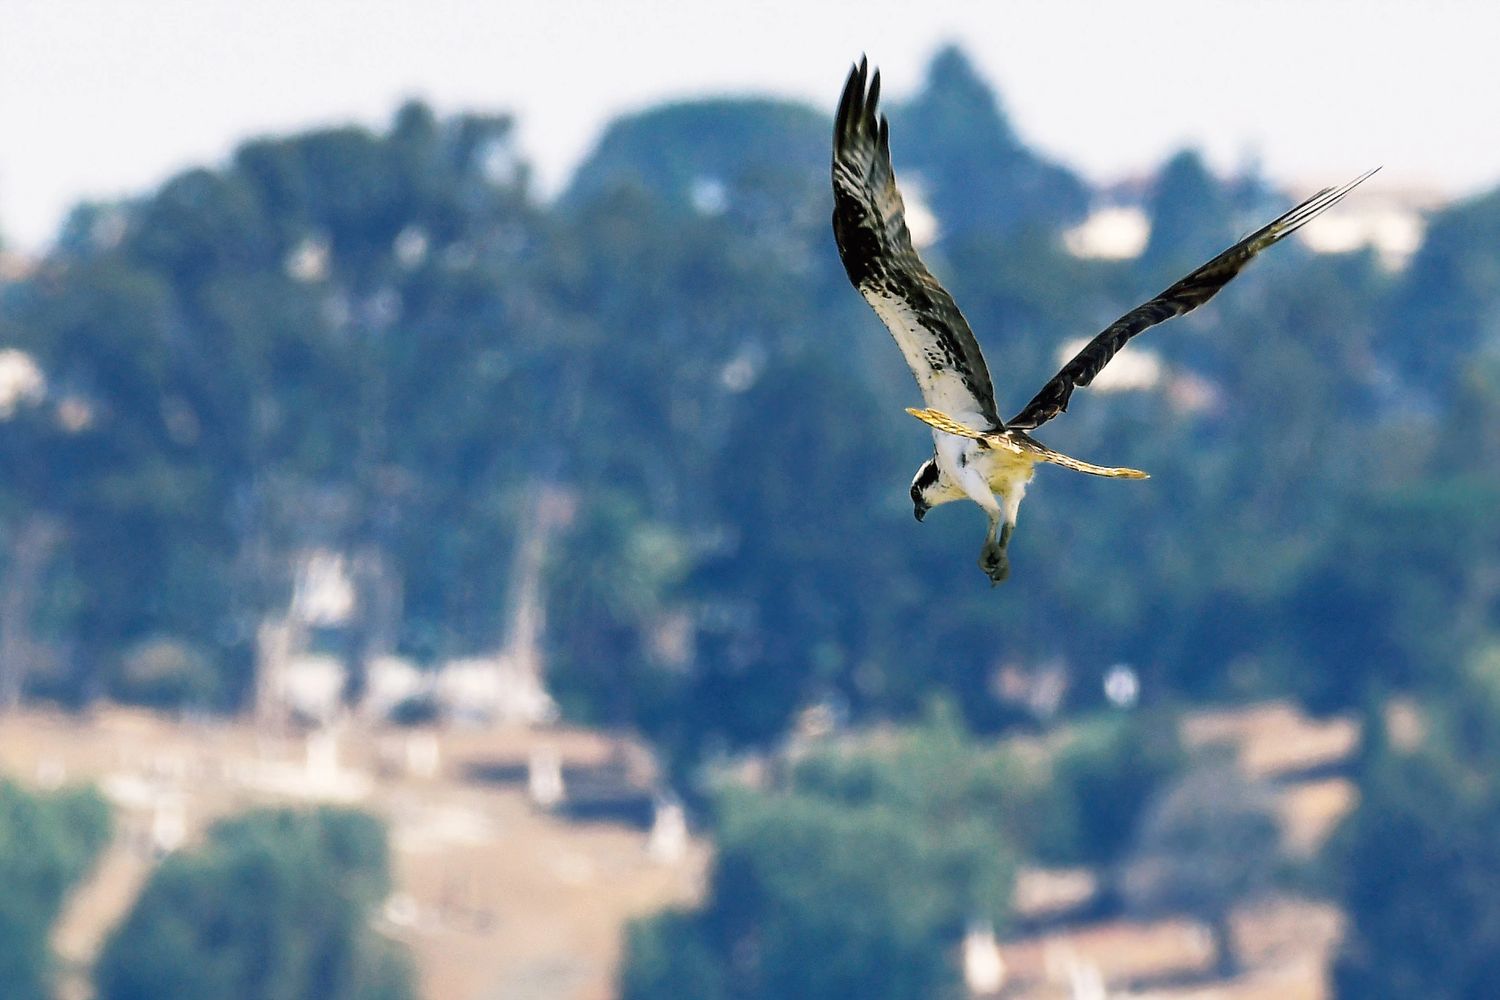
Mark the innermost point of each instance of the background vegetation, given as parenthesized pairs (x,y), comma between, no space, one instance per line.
(47,842)
(276,904)
(385,343)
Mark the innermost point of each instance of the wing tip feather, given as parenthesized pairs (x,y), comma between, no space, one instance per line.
(1310,209)
(856,110)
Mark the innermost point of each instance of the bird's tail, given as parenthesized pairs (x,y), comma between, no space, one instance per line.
(1020,442)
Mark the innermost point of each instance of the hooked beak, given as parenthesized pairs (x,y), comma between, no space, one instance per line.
(920,510)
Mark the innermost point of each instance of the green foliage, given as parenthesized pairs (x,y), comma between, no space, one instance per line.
(736,157)
(165,672)
(276,905)
(855,878)
(1447,299)
(1106,775)
(979,176)
(47,843)
(378,341)
(1419,860)
(297,350)
(1206,843)
(1190,216)
(1422,877)
(668,956)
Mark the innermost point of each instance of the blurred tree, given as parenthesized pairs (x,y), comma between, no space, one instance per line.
(306,348)
(1447,308)
(276,904)
(379,342)
(760,164)
(47,843)
(978,177)
(1191,215)
(1418,862)
(857,879)
(668,956)
(1366,610)
(734,284)
(1208,843)
(1108,773)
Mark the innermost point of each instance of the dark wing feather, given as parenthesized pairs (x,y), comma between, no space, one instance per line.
(1184,296)
(869,224)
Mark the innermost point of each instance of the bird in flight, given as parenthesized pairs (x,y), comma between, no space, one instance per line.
(976,454)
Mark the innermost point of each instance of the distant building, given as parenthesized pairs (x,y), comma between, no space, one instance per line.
(1391,221)
(310,687)
(15,266)
(21,381)
(390,682)
(668,840)
(544,777)
(984,969)
(1113,232)
(486,689)
(294,681)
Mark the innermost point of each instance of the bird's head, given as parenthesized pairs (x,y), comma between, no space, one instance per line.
(924,486)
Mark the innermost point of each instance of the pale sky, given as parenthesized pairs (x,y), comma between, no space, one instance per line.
(106,97)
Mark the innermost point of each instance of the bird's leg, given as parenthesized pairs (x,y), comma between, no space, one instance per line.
(1012,505)
(992,557)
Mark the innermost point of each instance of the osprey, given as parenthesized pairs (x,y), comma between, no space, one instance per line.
(976,454)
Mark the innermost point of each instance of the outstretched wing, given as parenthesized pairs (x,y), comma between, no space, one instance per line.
(869,223)
(1184,296)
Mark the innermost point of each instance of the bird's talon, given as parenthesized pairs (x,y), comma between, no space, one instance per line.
(995,564)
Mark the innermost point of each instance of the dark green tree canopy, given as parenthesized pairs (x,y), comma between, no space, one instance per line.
(380,342)
(47,843)
(982,181)
(276,905)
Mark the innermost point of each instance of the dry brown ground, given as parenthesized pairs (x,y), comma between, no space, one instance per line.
(497,899)
(500,900)
(1286,944)
(1274,739)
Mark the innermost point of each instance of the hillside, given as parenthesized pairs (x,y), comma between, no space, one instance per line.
(501,897)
